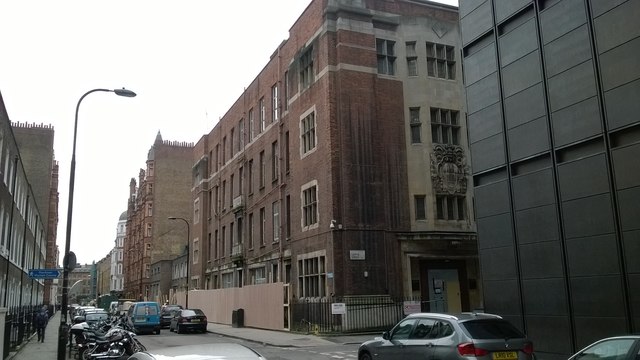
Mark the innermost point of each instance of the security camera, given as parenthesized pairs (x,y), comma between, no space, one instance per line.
(332,225)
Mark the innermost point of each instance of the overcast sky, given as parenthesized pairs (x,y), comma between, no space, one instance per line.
(187,60)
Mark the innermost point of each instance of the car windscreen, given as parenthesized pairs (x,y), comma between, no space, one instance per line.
(194,312)
(146,310)
(96,316)
(491,329)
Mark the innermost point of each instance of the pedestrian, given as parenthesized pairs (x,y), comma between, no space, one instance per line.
(41,322)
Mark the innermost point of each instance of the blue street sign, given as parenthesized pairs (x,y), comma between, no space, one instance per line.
(45,273)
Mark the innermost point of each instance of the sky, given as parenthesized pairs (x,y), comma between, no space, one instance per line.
(187,61)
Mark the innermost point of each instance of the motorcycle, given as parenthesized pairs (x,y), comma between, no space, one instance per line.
(116,344)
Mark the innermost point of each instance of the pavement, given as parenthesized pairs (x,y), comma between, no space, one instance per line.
(48,350)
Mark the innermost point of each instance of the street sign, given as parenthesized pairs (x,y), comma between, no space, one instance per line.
(45,273)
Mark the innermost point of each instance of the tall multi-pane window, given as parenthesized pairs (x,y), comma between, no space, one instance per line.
(250,231)
(445,126)
(308,132)
(241,133)
(231,180)
(415,125)
(223,241)
(216,163)
(286,152)
(274,103)
(287,90)
(309,206)
(421,209)
(262,221)
(412,59)
(263,115)
(262,169)
(312,277)
(386,56)
(216,245)
(441,61)
(240,180)
(232,148)
(287,220)
(450,207)
(306,68)
(252,125)
(275,161)
(149,209)
(250,175)
(275,209)
(223,197)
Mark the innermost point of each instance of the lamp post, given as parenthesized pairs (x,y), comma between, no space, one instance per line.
(186,299)
(66,263)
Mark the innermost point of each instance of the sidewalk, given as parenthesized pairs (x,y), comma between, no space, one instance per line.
(34,350)
(48,350)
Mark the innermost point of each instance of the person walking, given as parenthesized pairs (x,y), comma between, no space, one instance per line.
(41,322)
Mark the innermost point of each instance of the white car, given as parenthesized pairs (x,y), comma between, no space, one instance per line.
(617,347)
(221,351)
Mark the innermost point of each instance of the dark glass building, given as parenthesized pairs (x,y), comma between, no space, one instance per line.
(553,100)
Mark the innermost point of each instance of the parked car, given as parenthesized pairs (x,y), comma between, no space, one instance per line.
(616,348)
(144,316)
(449,337)
(230,351)
(166,314)
(188,320)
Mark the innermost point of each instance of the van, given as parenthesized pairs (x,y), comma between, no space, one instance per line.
(144,316)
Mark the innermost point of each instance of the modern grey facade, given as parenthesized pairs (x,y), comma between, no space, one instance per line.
(553,90)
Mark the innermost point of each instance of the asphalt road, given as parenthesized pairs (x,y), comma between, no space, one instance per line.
(333,351)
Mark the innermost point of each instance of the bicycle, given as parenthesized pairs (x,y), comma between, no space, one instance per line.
(308,327)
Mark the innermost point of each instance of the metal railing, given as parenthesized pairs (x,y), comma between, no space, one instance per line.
(19,326)
(361,313)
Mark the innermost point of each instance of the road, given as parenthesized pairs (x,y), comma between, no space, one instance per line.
(334,351)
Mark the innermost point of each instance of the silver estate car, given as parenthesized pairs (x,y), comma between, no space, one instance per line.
(466,336)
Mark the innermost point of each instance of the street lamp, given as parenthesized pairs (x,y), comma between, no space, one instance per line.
(186,299)
(66,263)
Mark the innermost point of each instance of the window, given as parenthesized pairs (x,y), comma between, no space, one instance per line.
(231,179)
(287,90)
(224,150)
(415,125)
(308,132)
(412,59)
(250,176)
(275,168)
(232,149)
(421,212)
(275,207)
(149,209)
(196,211)
(241,134)
(286,152)
(258,275)
(450,207)
(223,241)
(227,280)
(445,128)
(312,277)
(274,103)
(262,169)
(196,251)
(441,61)
(250,234)
(309,206)
(149,189)
(215,163)
(306,68)
(288,216)
(149,230)
(386,56)
(252,126)
(262,221)
(224,194)
(240,180)
(216,244)
(263,116)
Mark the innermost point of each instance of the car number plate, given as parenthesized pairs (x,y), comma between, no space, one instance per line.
(195,320)
(140,318)
(505,355)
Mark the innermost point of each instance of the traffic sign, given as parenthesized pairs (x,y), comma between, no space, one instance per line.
(44,273)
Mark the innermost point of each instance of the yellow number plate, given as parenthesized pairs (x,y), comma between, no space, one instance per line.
(195,320)
(505,355)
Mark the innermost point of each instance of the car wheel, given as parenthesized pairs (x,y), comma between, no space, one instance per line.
(364,356)
(158,331)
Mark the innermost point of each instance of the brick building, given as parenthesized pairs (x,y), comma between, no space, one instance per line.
(341,169)
(162,190)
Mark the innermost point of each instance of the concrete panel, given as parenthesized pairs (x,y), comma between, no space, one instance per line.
(524,106)
(480,64)
(629,204)
(551,334)
(599,7)
(518,42)
(483,93)
(581,253)
(634,295)
(529,139)
(582,178)
(506,8)
(495,231)
(617,26)
(484,123)
(542,261)
(467,6)
(502,296)
(625,166)
(492,199)
(590,329)
(622,105)
(576,122)
(567,51)
(533,190)
(572,86)
(621,65)
(498,263)
(631,241)
(478,21)
(588,216)
(537,224)
(488,153)
(597,296)
(521,74)
(561,18)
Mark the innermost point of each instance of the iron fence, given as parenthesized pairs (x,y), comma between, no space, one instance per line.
(19,326)
(354,313)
